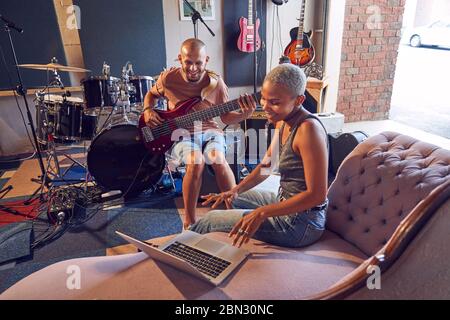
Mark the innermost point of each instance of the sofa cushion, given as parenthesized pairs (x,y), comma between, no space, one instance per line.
(270,273)
(379,183)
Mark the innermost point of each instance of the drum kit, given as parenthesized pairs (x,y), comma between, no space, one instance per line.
(107,119)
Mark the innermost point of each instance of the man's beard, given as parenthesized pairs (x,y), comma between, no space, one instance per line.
(197,79)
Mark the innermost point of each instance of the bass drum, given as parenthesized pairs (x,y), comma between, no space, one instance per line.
(118,160)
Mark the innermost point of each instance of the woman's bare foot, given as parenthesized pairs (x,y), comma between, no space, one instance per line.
(187,224)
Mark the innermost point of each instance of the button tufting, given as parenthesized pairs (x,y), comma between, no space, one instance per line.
(363,191)
(384,222)
(350,218)
(379,181)
(384,242)
(349,199)
(381,201)
(366,210)
(397,192)
(400,213)
(362,171)
(367,230)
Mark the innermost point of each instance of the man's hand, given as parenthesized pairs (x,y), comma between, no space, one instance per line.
(152,118)
(247,104)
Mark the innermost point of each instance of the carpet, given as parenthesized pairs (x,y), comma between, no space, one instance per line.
(15,241)
(145,217)
(92,231)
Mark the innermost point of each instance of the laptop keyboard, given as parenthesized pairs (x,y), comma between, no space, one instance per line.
(204,262)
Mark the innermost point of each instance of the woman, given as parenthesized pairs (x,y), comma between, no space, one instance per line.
(296,216)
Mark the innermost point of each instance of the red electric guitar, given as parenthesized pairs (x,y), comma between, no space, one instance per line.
(300,51)
(246,41)
(159,139)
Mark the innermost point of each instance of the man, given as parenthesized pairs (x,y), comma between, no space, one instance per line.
(190,80)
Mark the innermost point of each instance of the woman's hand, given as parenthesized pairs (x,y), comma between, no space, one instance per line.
(245,228)
(228,197)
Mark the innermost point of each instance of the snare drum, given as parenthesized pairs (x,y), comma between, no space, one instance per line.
(99,92)
(143,84)
(59,117)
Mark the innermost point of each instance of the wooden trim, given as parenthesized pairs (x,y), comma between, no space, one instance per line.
(10,93)
(313,83)
(399,241)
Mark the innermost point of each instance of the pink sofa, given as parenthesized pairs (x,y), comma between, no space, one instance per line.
(389,208)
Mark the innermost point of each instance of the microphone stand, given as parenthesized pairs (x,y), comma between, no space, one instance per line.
(255,45)
(20,89)
(197,16)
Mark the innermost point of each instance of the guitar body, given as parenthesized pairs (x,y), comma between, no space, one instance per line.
(301,53)
(245,41)
(159,140)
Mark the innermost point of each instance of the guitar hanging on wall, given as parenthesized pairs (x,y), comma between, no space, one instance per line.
(300,51)
(246,41)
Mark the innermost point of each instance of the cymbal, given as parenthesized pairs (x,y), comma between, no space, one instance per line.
(53,66)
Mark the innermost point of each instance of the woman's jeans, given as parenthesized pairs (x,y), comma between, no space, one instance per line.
(294,230)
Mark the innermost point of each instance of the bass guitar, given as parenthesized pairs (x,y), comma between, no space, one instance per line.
(159,139)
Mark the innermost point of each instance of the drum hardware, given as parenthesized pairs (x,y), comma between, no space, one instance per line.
(59,119)
(52,66)
(21,91)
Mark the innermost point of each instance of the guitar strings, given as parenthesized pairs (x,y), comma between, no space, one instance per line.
(186,120)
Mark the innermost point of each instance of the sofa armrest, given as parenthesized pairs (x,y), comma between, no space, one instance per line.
(386,257)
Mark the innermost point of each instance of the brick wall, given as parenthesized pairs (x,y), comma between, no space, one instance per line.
(372,31)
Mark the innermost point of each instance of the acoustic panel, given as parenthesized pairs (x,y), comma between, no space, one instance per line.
(117,31)
(40,41)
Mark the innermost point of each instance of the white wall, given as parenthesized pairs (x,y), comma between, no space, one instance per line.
(288,13)
(176,31)
(336,14)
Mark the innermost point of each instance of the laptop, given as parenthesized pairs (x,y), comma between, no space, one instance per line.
(196,254)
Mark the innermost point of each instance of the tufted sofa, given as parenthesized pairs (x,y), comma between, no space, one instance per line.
(389,213)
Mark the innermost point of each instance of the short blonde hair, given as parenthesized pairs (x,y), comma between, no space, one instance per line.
(289,76)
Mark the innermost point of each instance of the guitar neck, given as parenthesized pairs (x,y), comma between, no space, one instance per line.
(250,13)
(189,119)
(301,22)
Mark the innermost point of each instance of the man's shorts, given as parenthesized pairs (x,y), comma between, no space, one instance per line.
(203,142)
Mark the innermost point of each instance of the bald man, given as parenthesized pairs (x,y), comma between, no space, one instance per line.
(191,80)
